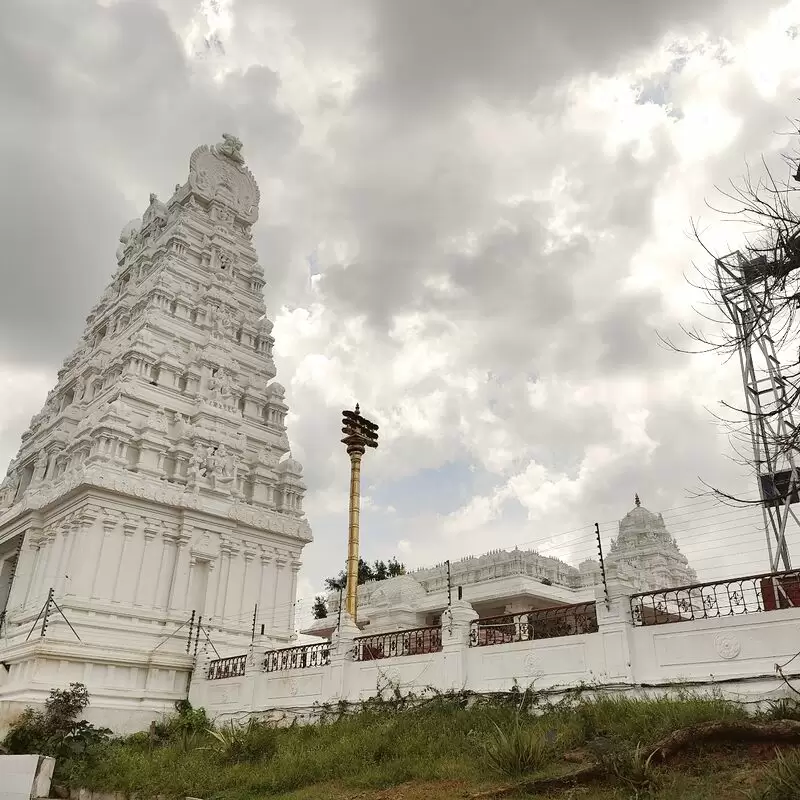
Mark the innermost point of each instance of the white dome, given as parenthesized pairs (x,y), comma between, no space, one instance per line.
(290,466)
(276,389)
(134,226)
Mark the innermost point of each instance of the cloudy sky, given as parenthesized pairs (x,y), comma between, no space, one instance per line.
(474,221)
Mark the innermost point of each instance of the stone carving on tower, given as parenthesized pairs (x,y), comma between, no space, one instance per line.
(167,411)
(644,553)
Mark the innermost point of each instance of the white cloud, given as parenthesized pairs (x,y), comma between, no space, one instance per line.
(499,217)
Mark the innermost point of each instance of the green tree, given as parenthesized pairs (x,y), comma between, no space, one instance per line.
(395,568)
(378,572)
(320,609)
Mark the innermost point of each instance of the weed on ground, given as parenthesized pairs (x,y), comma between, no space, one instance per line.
(442,746)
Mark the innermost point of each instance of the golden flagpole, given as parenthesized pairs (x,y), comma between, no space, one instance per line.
(359,433)
(355,451)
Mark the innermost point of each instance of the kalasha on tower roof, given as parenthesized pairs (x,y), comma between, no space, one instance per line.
(640,520)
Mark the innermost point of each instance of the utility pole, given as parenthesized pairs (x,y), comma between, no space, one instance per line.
(359,433)
(768,395)
(602,560)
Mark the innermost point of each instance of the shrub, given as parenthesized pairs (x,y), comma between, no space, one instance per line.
(631,766)
(75,744)
(257,741)
(55,731)
(785,708)
(187,728)
(518,749)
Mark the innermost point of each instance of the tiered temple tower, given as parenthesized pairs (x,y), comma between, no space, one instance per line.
(644,553)
(157,479)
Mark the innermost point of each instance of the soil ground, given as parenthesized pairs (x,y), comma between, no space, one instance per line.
(718,773)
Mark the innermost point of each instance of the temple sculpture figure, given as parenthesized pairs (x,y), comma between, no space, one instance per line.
(154,510)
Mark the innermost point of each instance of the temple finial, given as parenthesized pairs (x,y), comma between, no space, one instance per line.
(358,409)
(637,500)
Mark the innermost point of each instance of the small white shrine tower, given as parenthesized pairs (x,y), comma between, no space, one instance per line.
(155,490)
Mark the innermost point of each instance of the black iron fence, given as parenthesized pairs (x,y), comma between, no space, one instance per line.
(539,623)
(749,595)
(416,641)
(300,657)
(232,667)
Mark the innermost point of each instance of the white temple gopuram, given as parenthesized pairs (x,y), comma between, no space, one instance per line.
(643,554)
(155,493)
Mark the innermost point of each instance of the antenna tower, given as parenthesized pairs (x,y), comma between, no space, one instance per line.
(746,294)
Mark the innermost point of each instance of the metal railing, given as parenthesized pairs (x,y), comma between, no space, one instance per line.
(539,623)
(416,641)
(232,667)
(749,595)
(303,656)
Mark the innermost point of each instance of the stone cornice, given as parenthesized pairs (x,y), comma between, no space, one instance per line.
(132,485)
(110,521)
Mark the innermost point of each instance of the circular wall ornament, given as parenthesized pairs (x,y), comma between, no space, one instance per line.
(532,664)
(727,645)
(292,687)
(392,677)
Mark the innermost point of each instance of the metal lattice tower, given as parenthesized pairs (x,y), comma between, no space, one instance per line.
(769,413)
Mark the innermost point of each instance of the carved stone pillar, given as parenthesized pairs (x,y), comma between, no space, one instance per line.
(209,598)
(59,534)
(129,526)
(51,463)
(280,563)
(48,545)
(37,580)
(227,591)
(263,582)
(169,551)
(295,565)
(109,524)
(183,569)
(225,551)
(69,532)
(83,548)
(143,589)
(26,569)
(67,578)
(248,556)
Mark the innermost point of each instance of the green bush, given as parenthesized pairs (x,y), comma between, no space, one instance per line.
(56,731)
(518,749)
(187,726)
(257,741)
(75,744)
(628,765)
(785,708)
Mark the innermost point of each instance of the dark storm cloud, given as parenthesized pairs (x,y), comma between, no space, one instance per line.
(105,108)
(434,55)
(101,99)
(54,265)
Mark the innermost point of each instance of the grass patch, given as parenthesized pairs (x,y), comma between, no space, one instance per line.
(781,780)
(442,740)
(518,749)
